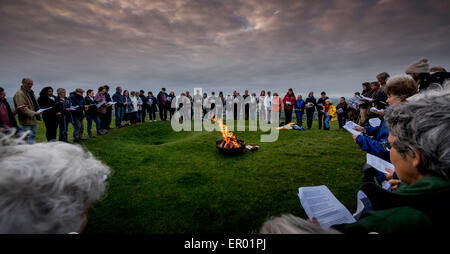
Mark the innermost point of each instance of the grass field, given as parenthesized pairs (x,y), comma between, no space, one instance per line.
(178,182)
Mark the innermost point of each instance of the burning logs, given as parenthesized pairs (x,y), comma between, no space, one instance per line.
(229,144)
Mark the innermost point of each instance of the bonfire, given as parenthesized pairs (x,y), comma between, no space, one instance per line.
(229,143)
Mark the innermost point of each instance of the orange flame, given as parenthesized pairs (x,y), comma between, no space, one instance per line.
(228,137)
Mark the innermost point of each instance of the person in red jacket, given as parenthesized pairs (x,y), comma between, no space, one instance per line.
(289,102)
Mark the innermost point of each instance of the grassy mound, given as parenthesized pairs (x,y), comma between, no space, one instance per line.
(178,182)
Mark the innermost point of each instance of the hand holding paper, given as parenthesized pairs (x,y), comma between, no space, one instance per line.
(349,127)
(42,110)
(319,202)
(378,163)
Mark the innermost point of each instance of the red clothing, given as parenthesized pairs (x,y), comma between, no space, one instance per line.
(4,115)
(326,107)
(276,104)
(291,99)
(99,98)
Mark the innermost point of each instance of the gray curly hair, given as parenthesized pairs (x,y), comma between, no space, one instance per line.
(422,125)
(290,224)
(47,187)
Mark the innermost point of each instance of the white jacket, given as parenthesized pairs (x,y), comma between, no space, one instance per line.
(268,102)
(134,100)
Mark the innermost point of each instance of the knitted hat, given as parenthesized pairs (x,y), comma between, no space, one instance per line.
(420,66)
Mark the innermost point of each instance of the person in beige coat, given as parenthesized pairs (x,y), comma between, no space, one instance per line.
(29,115)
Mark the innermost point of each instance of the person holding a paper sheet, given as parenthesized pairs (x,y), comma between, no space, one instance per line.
(108,108)
(420,152)
(48,100)
(320,108)
(29,115)
(330,114)
(268,106)
(151,101)
(119,107)
(379,97)
(80,106)
(100,98)
(364,107)
(341,110)
(128,108)
(63,105)
(288,102)
(398,89)
(299,109)
(92,113)
(310,109)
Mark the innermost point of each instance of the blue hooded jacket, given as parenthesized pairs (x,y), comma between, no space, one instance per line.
(377,145)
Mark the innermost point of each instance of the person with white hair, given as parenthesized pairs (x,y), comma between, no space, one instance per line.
(42,190)
(398,89)
(420,152)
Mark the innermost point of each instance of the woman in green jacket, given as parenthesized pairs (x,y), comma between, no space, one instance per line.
(420,141)
(420,151)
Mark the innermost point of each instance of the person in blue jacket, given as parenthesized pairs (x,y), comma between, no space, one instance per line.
(375,142)
(299,109)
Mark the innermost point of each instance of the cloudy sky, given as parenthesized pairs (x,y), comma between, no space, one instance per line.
(331,45)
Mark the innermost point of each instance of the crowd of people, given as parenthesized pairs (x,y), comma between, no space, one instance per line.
(413,135)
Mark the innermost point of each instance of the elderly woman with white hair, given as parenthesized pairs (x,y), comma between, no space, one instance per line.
(42,190)
(420,152)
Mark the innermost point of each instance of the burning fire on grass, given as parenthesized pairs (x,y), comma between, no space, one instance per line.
(229,144)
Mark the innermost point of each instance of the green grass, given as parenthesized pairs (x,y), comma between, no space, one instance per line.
(178,182)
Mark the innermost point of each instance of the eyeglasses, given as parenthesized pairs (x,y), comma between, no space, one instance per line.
(386,146)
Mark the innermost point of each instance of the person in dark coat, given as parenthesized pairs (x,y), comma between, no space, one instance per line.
(420,72)
(108,109)
(171,97)
(310,109)
(299,109)
(144,108)
(163,105)
(365,106)
(342,112)
(320,108)
(246,105)
(47,100)
(7,116)
(92,113)
(119,107)
(63,108)
(151,105)
(77,101)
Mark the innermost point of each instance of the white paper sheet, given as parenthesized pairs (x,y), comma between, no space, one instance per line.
(375,110)
(378,163)
(43,109)
(366,98)
(74,107)
(319,202)
(111,103)
(349,127)
(101,104)
(386,185)
(375,122)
